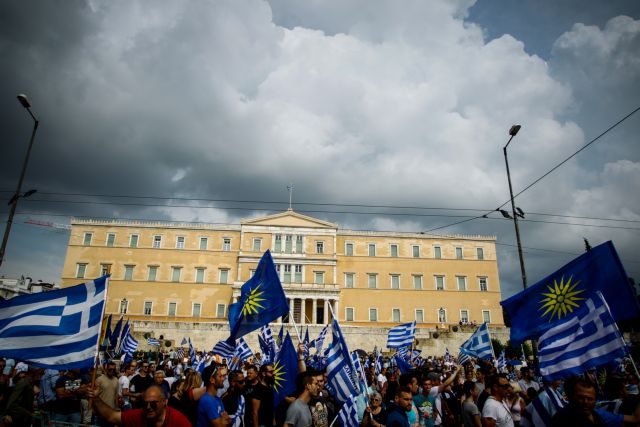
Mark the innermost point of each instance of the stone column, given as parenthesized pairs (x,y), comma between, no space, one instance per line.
(336,309)
(291,301)
(303,302)
(314,311)
(325,317)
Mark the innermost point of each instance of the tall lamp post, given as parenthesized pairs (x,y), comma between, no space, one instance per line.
(14,200)
(513,132)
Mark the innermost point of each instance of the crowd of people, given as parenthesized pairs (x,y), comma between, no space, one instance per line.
(171,392)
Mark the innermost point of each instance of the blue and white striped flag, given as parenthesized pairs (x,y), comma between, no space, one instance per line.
(586,340)
(129,344)
(192,354)
(403,352)
(540,411)
(242,352)
(401,335)
(153,341)
(341,375)
(125,331)
(447,356)
(270,343)
(348,415)
(57,329)
(180,353)
(224,349)
(319,342)
(237,418)
(479,343)
(463,358)
(378,364)
(502,363)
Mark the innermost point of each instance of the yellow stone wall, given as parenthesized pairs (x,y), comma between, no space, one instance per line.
(239,258)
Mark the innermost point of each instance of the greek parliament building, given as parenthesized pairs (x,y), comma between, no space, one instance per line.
(176,280)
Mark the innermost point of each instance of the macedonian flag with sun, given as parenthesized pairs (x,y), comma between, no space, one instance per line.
(555,298)
(561,299)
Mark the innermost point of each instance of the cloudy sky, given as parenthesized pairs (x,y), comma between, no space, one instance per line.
(385,115)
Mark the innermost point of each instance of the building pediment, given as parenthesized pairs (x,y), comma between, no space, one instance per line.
(289,218)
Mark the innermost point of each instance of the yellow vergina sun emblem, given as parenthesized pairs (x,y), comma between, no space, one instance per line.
(561,299)
(252,304)
(279,376)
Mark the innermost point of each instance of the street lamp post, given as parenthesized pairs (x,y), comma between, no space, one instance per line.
(513,132)
(14,200)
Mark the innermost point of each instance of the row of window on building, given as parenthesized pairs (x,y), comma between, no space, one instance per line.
(349,313)
(293,244)
(293,274)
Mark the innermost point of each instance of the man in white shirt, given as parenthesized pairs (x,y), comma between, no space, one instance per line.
(495,412)
(123,385)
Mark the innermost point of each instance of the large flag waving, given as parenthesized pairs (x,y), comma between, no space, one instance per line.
(479,344)
(552,299)
(588,339)
(57,329)
(341,374)
(401,335)
(262,300)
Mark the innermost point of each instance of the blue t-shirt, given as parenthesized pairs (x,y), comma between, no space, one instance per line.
(209,408)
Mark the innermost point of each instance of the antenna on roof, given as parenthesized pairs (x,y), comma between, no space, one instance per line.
(290,189)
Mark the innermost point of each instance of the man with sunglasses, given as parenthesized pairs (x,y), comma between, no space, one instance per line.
(211,411)
(231,397)
(154,411)
(139,383)
(496,412)
(108,383)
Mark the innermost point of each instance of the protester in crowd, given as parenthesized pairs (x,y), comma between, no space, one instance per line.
(299,413)
(123,386)
(410,380)
(426,403)
(20,402)
(158,379)
(495,412)
(515,403)
(470,412)
(397,410)
(47,394)
(262,407)
(154,411)
(231,397)
(210,408)
(139,383)
(375,414)
(318,403)
(443,414)
(185,399)
(527,381)
(108,387)
(70,387)
(5,382)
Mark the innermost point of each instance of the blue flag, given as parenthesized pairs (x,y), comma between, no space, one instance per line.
(262,300)
(285,371)
(106,334)
(341,374)
(125,331)
(548,302)
(129,344)
(402,364)
(115,335)
(58,329)
(401,335)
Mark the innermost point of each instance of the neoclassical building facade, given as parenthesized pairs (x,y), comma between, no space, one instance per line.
(181,277)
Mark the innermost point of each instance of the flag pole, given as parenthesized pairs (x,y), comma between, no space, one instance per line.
(97,363)
(293,320)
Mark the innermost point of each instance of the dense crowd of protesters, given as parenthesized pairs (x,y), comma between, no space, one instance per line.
(437,393)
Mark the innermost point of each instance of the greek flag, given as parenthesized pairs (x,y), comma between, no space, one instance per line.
(153,341)
(192,354)
(125,332)
(378,365)
(588,339)
(242,350)
(540,411)
(180,353)
(463,358)
(56,330)
(401,335)
(129,344)
(341,374)
(479,343)
(319,342)
(236,419)
(224,349)
(502,363)
(348,415)
(447,355)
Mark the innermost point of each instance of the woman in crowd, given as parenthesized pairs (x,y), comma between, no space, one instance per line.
(374,415)
(470,412)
